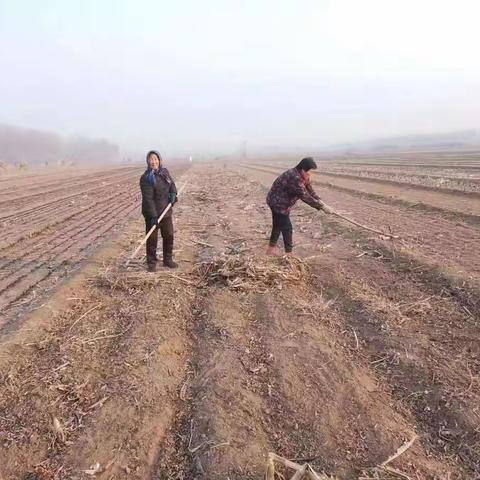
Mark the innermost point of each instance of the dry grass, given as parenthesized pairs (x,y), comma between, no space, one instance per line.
(242,272)
(52,393)
(135,282)
(48,395)
(380,472)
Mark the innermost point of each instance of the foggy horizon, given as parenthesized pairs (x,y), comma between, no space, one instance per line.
(190,77)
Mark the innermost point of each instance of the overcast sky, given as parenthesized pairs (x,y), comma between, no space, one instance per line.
(187,75)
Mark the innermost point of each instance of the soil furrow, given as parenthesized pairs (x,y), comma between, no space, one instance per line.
(53,180)
(51,242)
(336,358)
(281,364)
(46,205)
(30,198)
(38,260)
(28,230)
(53,263)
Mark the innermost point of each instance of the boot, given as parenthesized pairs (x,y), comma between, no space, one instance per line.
(169,263)
(168,253)
(152,267)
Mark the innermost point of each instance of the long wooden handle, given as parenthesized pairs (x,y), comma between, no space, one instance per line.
(353,222)
(165,211)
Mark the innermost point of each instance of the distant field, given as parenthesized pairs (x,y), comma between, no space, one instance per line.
(451,160)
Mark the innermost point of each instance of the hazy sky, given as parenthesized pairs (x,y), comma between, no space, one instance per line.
(206,74)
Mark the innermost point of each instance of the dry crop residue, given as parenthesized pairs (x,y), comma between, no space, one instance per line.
(336,360)
(277,366)
(93,390)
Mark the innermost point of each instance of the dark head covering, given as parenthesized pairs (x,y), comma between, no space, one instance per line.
(307,164)
(156,153)
(150,171)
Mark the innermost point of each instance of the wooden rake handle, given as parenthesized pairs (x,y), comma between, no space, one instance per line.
(353,222)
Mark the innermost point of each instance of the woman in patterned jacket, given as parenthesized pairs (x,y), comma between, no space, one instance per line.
(287,189)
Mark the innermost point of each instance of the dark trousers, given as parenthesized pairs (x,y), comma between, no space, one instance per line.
(166,230)
(283,225)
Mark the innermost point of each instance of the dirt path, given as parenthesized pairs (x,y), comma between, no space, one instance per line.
(199,373)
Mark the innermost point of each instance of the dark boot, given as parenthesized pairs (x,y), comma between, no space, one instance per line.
(152,267)
(168,262)
(168,253)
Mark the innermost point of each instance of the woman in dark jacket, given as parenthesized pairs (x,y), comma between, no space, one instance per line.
(158,190)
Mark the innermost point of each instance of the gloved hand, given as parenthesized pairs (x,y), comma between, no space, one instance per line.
(172,197)
(326,208)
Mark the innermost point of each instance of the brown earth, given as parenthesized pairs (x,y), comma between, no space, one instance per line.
(456,181)
(339,358)
(51,222)
(461,204)
(438,241)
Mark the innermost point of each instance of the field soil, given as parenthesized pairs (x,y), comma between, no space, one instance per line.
(464,204)
(52,221)
(455,180)
(336,357)
(429,234)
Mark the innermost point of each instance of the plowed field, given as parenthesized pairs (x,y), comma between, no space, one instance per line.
(51,222)
(336,358)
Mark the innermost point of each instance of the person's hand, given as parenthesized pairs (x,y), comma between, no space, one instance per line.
(326,209)
(172,197)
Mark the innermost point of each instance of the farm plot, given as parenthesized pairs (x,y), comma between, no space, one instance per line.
(462,160)
(437,238)
(336,358)
(411,190)
(448,179)
(456,172)
(51,222)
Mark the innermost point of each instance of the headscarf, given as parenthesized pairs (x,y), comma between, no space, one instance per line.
(150,171)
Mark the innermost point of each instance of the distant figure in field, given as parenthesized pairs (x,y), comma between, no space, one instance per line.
(158,190)
(287,189)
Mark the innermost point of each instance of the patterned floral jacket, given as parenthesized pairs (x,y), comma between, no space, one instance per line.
(287,189)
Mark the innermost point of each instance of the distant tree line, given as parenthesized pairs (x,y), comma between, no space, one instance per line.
(21,147)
